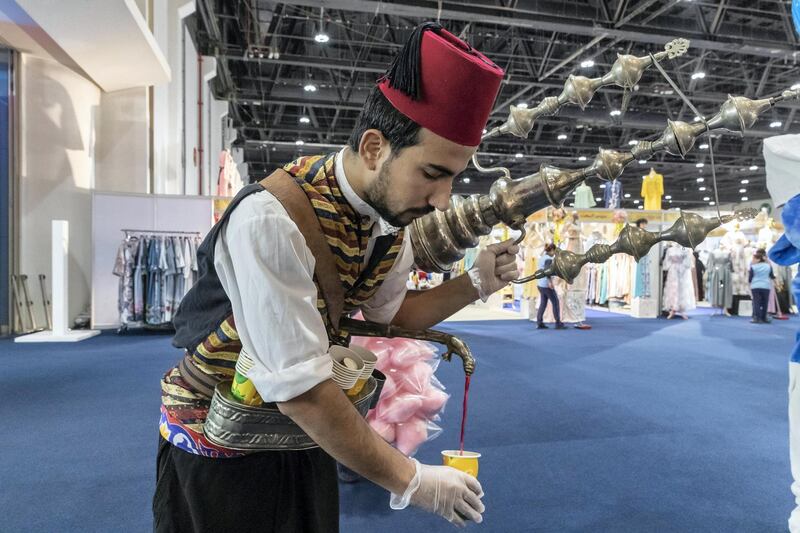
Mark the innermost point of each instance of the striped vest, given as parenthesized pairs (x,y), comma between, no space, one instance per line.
(184,407)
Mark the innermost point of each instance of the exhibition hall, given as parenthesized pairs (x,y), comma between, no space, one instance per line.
(394,265)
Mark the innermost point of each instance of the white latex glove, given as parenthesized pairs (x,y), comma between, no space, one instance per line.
(494,267)
(443,490)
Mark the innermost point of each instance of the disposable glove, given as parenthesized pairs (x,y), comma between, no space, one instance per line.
(443,490)
(494,267)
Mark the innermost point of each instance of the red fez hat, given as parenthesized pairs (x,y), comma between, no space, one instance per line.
(443,84)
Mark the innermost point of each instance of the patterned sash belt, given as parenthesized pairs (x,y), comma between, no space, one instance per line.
(243,427)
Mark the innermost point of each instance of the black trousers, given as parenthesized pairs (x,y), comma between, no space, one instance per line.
(545,294)
(267,492)
(760,304)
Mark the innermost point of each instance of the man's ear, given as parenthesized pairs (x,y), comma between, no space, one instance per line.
(372,148)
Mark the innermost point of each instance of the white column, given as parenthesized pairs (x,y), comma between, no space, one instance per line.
(60,298)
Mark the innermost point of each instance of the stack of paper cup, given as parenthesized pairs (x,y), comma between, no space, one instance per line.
(347,366)
(369,359)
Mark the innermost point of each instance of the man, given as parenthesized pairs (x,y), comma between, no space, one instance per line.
(641,223)
(783,182)
(262,299)
(547,290)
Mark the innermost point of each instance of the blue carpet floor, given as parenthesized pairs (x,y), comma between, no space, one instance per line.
(636,425)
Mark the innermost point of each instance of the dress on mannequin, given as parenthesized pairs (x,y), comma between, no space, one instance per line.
(574,302)
(613,194)
(679,287)
(532,246)
(652,190)
(584,197)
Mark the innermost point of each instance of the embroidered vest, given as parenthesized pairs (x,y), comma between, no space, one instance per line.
(205,325)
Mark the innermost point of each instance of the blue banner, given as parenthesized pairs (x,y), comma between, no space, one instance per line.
(796,15)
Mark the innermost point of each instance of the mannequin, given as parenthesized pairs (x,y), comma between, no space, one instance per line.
(574,302)
(584,197)
(559,219)
(652,190)
(719,291)
(613,194)
(532,249)
(679,287)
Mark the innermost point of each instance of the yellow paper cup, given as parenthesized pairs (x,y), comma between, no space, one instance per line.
(344,376)
(370,359)
(467,463)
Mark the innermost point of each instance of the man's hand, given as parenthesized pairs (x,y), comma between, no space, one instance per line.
(450,493)
(494,267)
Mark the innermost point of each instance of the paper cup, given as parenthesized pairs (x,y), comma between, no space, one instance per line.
(370,359)
(467,463)
(343,375)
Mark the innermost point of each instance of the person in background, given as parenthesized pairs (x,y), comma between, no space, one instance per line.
(760,277)
(641,223)
(547,291)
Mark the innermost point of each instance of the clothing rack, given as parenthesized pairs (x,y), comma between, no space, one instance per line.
(127,232)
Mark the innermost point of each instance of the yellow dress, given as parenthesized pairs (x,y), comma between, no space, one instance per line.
(653,190)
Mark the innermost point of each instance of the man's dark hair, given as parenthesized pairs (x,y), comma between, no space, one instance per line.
(378,113)
(549,247)
(641,221)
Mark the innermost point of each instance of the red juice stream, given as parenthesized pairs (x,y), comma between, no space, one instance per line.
(464,413)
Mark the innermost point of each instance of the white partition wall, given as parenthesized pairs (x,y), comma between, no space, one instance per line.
(111,213)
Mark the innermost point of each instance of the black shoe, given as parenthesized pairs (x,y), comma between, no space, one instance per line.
(754,321)
(541,326)
(561,326)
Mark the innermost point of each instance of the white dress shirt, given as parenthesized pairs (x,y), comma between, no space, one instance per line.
(267,272)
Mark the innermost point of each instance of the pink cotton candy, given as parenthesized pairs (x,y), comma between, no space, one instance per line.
(411,434)
(399,408)
(405,352)
(389,387)
(415,379)
(384,429)
(433,400)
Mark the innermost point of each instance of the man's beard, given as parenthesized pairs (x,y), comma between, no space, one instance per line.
(377,197)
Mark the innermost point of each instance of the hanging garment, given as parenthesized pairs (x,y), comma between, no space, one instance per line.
(574,303)
(124,268)
(642,276)
(652,190)
(139,281)
(584,197)
(613,194)
(679,286)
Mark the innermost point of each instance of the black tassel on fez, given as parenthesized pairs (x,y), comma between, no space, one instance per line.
(404,73)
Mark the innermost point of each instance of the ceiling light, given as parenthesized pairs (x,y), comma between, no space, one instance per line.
(745,182)
(700,165)
(754,167)
(522,105)
(299,142)
(775,124)
(602,185)
(582,158)
(703,146)
(706,198)
(712,203)
(484,131)
(668,197)
(643,161)
(562,136)
(598,199)
(615,112)
(701,188)
(700,180)
(744,198)
(698,75)
(632,143)
(587,63)
(627,195)
(304,120)
(518,155)
(322,37)
(696,118)
(795,86)
(742,190)
(465,180)
(636,202)
(310,88)
(641,207)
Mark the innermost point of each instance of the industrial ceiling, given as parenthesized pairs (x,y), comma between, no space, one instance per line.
(291,94)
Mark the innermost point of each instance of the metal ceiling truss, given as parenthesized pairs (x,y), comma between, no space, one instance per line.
(267,54)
